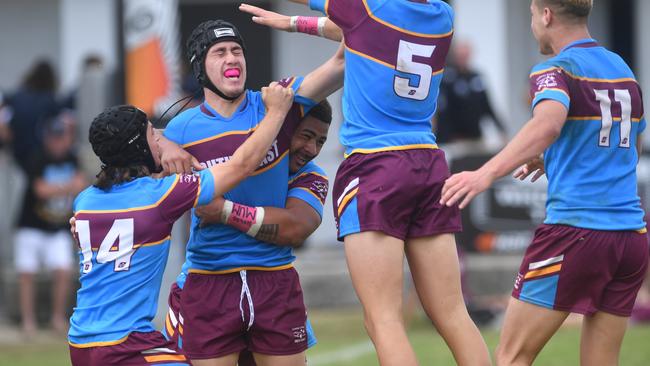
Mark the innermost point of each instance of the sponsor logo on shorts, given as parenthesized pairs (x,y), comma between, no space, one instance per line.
(299,334)
(518,280)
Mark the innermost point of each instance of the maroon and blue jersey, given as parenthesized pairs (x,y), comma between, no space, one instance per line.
(213,139)
(591,167)
(124,238)
(395,52)
(309,184)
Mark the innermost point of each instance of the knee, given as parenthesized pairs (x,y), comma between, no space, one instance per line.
(509,356)
(379,323)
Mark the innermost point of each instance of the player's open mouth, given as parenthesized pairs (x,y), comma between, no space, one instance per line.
(232,74)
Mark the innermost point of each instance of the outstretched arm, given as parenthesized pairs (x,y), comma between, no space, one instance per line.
(289,226)
(316,26)
(538,134)
(250,154)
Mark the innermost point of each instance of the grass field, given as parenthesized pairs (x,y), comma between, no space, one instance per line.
(343,342)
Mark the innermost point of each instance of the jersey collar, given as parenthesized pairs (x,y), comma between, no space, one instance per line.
(581,43)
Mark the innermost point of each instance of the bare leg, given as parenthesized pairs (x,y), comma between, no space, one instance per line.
(436,274)
(228,360)
(60,297)
(526,329)
(291,360)
(27,295)
(602,335)
(376,262)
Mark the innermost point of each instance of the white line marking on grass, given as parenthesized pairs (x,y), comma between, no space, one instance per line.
(343,354)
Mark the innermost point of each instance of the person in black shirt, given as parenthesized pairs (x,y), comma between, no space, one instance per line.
(463,103)
(42,239)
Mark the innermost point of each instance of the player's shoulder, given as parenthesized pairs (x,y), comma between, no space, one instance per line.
(82,197)
(308,169)
(176,127)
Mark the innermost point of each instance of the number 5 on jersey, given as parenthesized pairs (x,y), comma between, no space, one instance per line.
(405,64)
(117,245)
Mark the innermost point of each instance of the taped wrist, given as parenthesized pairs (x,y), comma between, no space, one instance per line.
(241,217)
(307,25)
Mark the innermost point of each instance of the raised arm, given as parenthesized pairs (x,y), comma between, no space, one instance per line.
(324,80)
(539,133)
(317,26)
(250,154)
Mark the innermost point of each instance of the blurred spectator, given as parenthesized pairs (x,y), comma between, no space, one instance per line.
(30,105)
(42,238)
(463,103)
(5,117)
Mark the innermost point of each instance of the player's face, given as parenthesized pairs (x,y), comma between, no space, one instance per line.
(538,24)
(225,65)
(153,144)
(307,141)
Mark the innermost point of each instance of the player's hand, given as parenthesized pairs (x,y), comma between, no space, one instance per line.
(211,213)
(174,159)
(534,166)
(268,18)
(464,186)
(73,229)
(277,98)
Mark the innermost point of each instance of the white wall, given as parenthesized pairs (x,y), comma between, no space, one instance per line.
(87,27)
(28,31)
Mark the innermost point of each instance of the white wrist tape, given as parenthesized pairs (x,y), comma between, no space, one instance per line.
(321,26)
(293,23)
(259,218)
(226,210)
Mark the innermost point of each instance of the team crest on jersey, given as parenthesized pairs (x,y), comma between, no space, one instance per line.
(320,188)
(548,80)
(189,178)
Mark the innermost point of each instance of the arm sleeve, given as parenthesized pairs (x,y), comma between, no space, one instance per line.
(344,13)
(551,84)
(185,192)
(312,188)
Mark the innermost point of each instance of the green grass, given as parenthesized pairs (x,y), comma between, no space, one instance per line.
(340,331)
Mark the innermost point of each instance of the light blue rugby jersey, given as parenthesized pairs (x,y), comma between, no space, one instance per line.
(213,139)
(124,236)
(394,59)
(591,167)
(309,184)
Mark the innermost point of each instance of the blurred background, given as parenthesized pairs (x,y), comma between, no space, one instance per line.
(64,61)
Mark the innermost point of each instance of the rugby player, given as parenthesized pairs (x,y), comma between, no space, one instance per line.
(387,191)
(123,226)
(308,186)
(591,254)
(230,298)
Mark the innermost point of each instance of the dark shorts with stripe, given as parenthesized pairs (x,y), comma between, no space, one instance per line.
(394,192)
(583,271)
(217,314)
(138,349)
